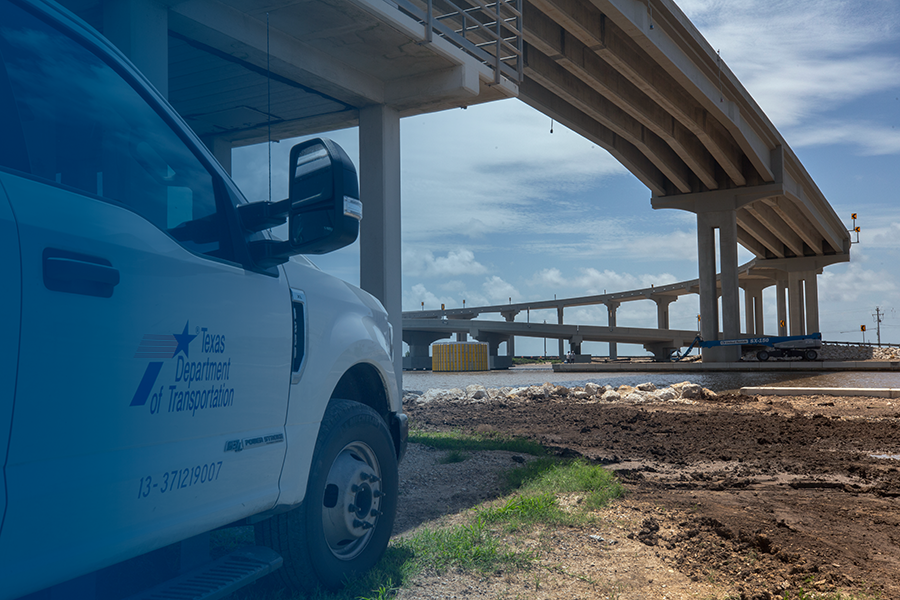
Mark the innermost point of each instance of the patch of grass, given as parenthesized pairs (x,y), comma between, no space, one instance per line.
(534,360)
(469,547)
(462,442)
(552,476)
(520,511)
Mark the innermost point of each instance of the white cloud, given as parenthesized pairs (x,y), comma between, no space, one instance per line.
(640,240)
(885,236)
(873,139)
(551,277)
(418,293)
(500,291)
(419,296)
(800,57)
(425,264)
(594,281)
(489,169)
(453,286)
(855,284)
(591,281)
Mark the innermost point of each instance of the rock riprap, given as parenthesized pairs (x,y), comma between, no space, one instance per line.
(684,392)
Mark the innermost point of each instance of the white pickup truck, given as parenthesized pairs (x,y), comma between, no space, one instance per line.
(168,367)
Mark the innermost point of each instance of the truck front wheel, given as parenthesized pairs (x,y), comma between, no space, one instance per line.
(344,524)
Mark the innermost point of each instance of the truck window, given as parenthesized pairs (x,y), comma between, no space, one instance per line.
(86,127)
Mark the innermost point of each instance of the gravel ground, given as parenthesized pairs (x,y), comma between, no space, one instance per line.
(729,496)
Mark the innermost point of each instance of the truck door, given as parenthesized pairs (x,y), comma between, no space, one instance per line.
(10,306)
(153,368)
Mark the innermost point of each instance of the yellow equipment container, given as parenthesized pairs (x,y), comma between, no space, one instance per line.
(459,356)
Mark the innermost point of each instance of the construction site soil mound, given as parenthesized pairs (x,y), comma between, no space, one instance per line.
(768,494)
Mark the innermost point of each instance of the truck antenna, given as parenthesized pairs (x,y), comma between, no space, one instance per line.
(268,107)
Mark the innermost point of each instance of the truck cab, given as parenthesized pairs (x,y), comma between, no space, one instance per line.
(167,366)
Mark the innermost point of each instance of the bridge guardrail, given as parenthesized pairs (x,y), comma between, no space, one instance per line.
(489,31)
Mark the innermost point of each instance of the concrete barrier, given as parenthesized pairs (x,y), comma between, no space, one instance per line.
(814,391)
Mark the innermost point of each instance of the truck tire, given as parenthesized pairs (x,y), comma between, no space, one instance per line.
(762,355)
(811,355)
(344,523)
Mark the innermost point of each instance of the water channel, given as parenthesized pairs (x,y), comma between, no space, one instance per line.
(718,382)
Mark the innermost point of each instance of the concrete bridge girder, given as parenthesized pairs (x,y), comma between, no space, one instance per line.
(573,90)
(493,340)
(577,49)
(639,80)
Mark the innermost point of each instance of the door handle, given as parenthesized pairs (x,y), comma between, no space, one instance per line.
(76,273)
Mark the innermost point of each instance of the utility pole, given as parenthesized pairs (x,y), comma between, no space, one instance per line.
(545,342)
(879,316)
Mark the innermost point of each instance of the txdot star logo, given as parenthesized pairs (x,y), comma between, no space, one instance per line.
(159,346)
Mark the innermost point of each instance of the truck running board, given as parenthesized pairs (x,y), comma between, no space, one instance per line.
(218,578)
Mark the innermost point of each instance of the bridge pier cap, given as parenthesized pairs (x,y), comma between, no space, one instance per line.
(732,212)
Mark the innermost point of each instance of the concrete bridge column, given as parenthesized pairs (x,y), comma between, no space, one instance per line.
(749,315)
(812,302)
(726,223)
(511,342)
(611,308)
(781,291)
(379,236)
(753,309)
(662,310)
(575,345)
(493,340)
(728,257)
(758,309)
(559,319)
(706,257)
(419,341)
(796,322)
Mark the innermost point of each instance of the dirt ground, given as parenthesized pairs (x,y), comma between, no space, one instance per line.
(733,497)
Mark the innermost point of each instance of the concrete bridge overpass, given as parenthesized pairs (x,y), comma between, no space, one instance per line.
(795,316)
(422,332)
(634,76)
(638,79)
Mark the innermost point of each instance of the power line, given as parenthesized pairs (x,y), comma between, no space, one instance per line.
(879,317)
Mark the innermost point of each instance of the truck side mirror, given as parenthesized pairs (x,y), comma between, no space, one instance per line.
(323,208)
(323,191)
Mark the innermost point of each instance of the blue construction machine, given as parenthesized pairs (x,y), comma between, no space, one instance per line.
(804,347)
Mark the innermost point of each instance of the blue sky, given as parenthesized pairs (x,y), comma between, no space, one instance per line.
(496,207)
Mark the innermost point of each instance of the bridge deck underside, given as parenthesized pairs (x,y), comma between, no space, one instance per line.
(649,89)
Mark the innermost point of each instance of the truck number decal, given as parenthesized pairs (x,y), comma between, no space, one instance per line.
(179,479)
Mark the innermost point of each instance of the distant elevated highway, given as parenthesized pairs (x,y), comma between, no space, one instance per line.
(661,342)
(421,328)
